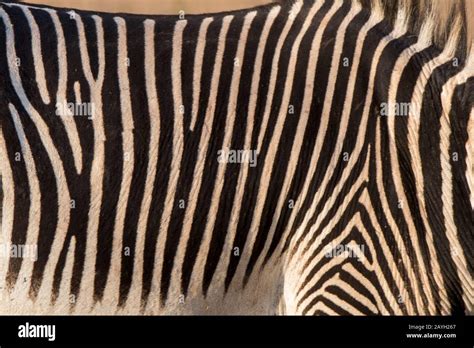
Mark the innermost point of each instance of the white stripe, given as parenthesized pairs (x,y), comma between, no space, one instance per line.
(37,55)
(97,171)
(68,121)
(134,298)
(34,216)
(77,92)
(112,286)
(198,60)
(177,151)
(64,296)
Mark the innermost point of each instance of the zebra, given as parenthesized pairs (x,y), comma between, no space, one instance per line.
(303,157)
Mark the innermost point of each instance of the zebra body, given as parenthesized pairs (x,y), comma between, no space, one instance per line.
(139,207)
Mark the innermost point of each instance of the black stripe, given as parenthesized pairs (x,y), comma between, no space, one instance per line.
(141,143)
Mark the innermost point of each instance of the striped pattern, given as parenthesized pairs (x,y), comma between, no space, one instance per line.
(132,212)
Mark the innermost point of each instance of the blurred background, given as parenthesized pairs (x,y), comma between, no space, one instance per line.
(154,6)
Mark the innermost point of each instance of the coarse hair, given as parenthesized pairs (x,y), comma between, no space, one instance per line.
(451,22)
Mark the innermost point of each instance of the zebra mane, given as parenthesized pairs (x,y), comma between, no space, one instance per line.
(448,24)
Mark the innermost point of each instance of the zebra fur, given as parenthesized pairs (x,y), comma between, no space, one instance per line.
(303,84)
